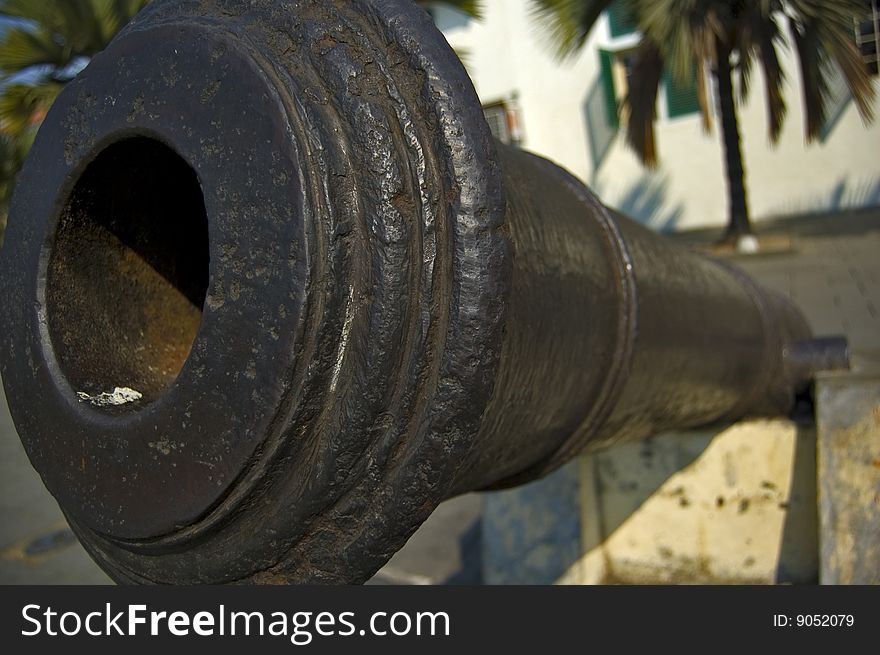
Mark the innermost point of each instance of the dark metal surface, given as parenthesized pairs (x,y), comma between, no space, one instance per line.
(271,293)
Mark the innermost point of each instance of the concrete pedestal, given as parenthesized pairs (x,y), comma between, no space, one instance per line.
(735,504)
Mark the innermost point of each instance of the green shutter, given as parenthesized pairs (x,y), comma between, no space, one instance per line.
(606,61)
(621,18)
(681,99)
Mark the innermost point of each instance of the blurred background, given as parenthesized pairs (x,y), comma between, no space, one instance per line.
(746,129)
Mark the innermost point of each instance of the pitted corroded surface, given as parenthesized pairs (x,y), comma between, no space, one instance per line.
(377,324)
(363,172)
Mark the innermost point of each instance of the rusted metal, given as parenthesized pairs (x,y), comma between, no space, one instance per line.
(271,293)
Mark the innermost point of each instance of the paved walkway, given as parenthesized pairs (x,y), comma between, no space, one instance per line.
(831,271)
(833,277)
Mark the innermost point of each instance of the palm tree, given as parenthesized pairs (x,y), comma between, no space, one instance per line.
(726,37)
(43,45)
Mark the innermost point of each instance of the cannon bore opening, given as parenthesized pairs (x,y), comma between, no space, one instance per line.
(127,274)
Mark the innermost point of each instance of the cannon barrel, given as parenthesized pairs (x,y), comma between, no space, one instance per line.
(271,293)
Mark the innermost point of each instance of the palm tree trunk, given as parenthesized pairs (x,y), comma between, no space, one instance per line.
(738,219)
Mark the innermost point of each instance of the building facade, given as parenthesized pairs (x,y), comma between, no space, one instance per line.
(568,112)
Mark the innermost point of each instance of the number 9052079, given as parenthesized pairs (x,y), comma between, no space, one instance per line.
(824,620)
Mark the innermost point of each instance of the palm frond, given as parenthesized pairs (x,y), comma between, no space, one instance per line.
(703,98)
(641,101)
(23,106)
(54,33)
(684,29)
(823,35)
(12,154)
(113,15)
(473,8)
(568,23)
(43,43)
(759,35)
(35,13)
(22,48)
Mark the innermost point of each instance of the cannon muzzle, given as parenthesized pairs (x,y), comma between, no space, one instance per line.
(271,293)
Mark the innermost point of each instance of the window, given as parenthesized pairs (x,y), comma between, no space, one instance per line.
(502,122)
(867,37)
(621,19)
(616,75)
(600,130)
(867,32)
(616,71)
(838,98)
(681,99)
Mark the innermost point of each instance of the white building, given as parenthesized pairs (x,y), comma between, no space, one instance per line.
(561,111)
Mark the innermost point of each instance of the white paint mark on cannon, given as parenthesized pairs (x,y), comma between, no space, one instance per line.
(119,396)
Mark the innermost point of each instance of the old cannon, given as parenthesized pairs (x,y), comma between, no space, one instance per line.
(271,292)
